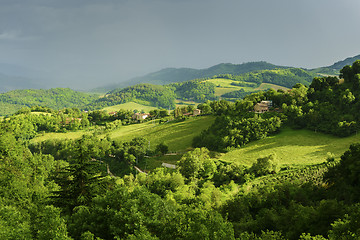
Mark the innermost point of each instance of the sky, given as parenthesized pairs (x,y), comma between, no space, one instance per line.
(90,43)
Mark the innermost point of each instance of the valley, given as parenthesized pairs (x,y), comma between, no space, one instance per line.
(236,156)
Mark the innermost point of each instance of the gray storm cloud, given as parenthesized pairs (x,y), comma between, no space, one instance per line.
(84,44)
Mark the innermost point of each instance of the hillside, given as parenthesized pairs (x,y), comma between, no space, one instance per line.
(283,77)
(146,94)
(55,98)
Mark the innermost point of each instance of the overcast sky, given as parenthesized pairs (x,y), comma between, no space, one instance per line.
(89,43)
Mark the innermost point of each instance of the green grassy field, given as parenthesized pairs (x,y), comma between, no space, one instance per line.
(68,135)
(224,86)
(292,147)
(177,135)
(129,106)
(224,83)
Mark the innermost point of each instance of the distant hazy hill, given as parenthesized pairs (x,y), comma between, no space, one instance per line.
(8,83)
(348,61)
(336,67)
(55,98)
(171,75)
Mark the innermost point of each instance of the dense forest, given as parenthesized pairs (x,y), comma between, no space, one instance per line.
(56,98)
(89,188)
(284,77)
(156,95)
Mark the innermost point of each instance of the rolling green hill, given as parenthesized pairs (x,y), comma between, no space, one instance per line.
(283,77)
(200,90)
(146,94)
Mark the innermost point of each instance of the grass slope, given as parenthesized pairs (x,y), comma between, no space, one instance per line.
(223,86)
(177,135)
(61,136)
(292,147)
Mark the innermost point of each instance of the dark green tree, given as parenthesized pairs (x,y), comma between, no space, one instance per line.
(162,148)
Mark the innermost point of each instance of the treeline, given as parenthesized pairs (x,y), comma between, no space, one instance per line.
(197,90)
(239,94)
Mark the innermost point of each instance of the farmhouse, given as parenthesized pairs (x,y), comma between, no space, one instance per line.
(196,112)
(262,107)
(140,116)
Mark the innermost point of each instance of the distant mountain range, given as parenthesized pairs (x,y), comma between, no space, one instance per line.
(336,67)
(348,61)
(171,75)
(14,77)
